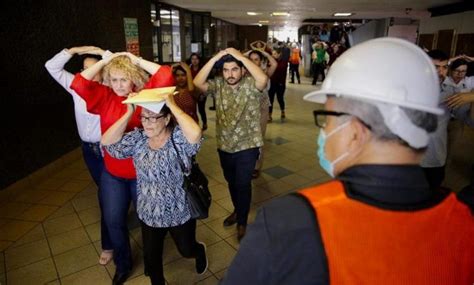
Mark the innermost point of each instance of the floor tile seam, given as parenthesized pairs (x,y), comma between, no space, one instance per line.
(82,269)
(51,253)
(222,238)
(14,241)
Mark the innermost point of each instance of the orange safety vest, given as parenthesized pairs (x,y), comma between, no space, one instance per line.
(369,245)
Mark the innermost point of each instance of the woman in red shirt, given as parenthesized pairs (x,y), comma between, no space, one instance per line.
(123,73)
(187,97)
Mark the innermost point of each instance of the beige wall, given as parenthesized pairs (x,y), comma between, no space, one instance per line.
(463,23)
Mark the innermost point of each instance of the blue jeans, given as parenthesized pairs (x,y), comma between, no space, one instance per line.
(115,194)
(93,159)
(95,164)
(238,168)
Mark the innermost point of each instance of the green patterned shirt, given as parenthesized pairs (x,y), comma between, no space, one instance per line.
(237,114)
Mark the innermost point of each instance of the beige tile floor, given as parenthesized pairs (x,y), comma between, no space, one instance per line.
(50,234)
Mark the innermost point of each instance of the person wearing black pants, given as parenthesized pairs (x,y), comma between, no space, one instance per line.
(278,83)
(318,68)
(184,236)
(238,168)
(279,90)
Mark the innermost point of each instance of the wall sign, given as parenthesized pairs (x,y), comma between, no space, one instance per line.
(131,35)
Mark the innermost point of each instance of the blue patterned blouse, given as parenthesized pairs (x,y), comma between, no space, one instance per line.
(161,199)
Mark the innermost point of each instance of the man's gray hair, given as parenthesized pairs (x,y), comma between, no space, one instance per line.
(370,115)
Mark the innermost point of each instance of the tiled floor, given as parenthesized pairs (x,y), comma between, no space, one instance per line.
(50,234)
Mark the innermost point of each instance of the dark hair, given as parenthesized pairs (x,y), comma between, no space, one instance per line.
(196,55)
(229,58)
(438,55)
(93,56)
(278,50)
(257,52)
(457,63)
(172,123)
(178,68)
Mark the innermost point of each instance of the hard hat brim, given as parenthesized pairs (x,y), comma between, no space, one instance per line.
(320,97)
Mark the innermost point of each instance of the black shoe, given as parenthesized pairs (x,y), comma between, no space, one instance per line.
(120,278)
(201,259)
(230,220)
(241,230)
(212,108)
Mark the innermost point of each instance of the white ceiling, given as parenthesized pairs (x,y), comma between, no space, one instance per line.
(236,11)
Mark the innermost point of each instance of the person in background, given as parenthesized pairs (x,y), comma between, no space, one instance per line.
(434,159)
(196,65)
(377,221)
(278,84)
(187,96)
(295,59)
(168,138)
(319,59)
(269,68)
(123,73)
(88,124)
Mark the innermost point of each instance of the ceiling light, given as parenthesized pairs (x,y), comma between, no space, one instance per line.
(280,14)
(342,14)
(264,21)
(253,13)
(259,24)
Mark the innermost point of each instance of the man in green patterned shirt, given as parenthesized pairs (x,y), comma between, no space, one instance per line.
(238,125)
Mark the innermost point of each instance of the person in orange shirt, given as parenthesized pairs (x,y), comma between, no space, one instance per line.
(295,59)
(377,221)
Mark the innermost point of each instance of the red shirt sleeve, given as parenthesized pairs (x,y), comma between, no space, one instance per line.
(95,94)
(162,78)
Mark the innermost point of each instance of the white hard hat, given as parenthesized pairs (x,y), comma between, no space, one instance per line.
(389,73)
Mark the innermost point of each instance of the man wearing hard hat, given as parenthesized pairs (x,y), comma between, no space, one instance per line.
(377,222)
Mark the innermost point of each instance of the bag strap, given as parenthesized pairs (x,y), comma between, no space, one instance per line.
(181,163)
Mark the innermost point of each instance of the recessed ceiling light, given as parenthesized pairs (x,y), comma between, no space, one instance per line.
(280,14)
(253,13)
(342,14)
(260,25)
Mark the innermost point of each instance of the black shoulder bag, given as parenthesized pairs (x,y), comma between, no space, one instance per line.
(196,186)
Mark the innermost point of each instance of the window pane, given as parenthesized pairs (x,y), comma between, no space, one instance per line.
(176,36)
(155,23)
(188,25)
(166,37)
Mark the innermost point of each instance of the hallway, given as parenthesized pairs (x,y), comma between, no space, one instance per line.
(50,229)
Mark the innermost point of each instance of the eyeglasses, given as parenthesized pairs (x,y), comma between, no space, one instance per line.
(150,119)
(320,118)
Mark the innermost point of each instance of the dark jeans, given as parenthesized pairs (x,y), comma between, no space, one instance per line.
(279,90)
(202,110)
(93,159)
(318,68)
(435,176)
(238,168)
(294,68)
(115,194)
(95,165)
(184,237)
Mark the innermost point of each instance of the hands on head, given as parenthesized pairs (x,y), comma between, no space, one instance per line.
(86,50)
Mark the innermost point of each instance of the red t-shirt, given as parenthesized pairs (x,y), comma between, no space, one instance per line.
(187,103)
(103,101)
